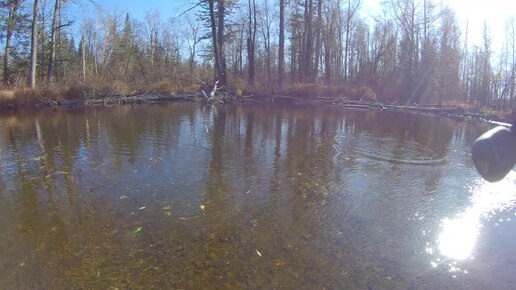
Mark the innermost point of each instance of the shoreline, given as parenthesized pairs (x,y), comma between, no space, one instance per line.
(249,97)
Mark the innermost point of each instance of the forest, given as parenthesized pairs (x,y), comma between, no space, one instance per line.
(414,52)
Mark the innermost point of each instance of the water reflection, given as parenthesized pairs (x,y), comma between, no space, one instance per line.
(182,196)
(459,234)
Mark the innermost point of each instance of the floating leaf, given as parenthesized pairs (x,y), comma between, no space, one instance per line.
(202,206)
(138,229)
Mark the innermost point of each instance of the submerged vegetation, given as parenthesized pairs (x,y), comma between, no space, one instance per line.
(238,197)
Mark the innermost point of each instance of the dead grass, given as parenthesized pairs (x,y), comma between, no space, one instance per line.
(164,86)
(6,94)
(457,104)
(238,84)
(309,91)
(78,92)
(189,89)
(121,88)
(6,98)
(26,97)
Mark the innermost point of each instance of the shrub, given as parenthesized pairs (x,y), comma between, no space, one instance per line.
(7,99)
(77,92)
(192,88)
(163,87)
(365,94)
(306,91)
(340,91)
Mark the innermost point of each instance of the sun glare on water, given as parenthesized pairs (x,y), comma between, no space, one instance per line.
(459,234)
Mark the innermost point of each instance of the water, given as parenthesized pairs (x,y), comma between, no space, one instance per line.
(182,196)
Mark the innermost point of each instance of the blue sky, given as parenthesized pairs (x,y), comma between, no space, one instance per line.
(137,9)
(475,11)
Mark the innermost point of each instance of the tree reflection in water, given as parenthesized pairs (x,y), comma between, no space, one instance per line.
(180,196)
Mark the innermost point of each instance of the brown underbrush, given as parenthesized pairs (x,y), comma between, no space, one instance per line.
(11,99)
(27,98)
(308,91)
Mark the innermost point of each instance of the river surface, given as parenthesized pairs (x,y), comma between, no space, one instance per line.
(181,196)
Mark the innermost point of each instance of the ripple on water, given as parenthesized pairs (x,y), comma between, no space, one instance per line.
(169,196)
(396,151)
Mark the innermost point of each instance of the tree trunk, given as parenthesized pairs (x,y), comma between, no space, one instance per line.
(217,31)
(268,53)
(346,46)
(50,72)
(8,34)
(281,48)
(83,48)
(34,45)
(214,39)
(318,46)
(251,39)
(6,56)
(240,52)
(306,60)
(327,62)
(220,40)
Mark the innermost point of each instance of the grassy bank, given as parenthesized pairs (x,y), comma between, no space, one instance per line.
(49,96)
(349,96)
(13,99)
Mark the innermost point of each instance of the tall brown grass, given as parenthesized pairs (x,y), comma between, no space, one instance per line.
(26,97)
(308,91)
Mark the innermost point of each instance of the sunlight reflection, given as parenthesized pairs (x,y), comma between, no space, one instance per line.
(459,234)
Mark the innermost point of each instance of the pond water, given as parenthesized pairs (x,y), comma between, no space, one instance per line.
(177,195)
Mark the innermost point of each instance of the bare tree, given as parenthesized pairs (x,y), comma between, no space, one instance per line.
(34,45)
(217,33)
(306,67)
(251,40)
(266,27)
(351,10)
(11,21)
(50,73)
(318,44)
(193,40)
(281,48)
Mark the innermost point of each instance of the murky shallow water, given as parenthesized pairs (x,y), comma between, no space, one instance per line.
(259,196)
